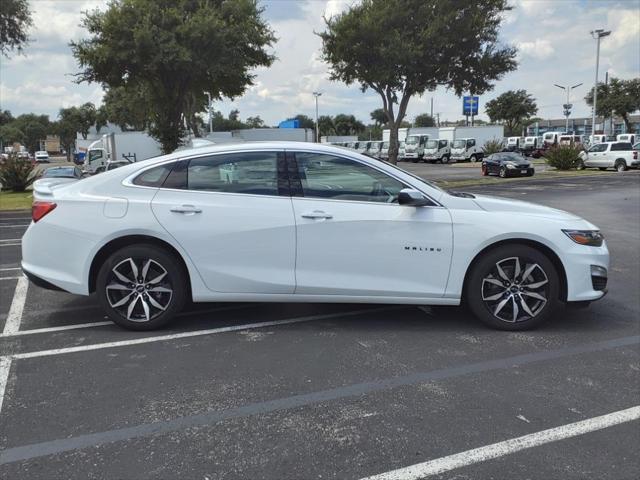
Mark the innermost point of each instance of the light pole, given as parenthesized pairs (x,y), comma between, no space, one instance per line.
(209,111)
(317,94)
(597,34)
(567,106)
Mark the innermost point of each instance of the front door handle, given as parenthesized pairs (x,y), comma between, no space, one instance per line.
(317,214)
(186,209)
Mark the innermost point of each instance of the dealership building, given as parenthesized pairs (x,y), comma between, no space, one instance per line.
(582,125)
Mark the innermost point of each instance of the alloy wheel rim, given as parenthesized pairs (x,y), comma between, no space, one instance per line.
(515,290)
(139,289)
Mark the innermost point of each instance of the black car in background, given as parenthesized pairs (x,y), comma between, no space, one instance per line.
(507,164)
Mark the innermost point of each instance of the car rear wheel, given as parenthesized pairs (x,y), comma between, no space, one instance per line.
(141,287)
(580,165)
(514,287)
(621,166)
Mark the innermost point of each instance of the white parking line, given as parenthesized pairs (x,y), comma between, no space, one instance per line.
(195,333)
(5,240)
(506,447)
(9,244)
(12,278)
(5,366)
(63,328)
(12,324)
(16,225)
(7,269)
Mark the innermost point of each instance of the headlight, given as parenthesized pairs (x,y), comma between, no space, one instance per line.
(510,165)
(592,238)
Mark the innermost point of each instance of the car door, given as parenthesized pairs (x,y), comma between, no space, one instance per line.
(232,214)
(354,239)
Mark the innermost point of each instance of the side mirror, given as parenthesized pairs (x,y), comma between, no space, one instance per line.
(413,198)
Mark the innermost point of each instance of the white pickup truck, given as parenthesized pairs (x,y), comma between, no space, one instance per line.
(618,155)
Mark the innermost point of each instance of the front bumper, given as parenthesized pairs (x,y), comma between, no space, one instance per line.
(520,172)
(587,271)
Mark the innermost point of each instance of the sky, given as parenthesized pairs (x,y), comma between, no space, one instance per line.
(552,37)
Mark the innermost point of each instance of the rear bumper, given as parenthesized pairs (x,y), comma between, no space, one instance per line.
(41,282)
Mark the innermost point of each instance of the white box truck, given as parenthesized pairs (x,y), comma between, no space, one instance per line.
(467,143)
(111,147)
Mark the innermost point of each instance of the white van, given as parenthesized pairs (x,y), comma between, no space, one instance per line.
(414,147)
(551,138)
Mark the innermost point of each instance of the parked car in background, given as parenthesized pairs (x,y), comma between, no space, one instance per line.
(363,147)
(42,157)
(533,147)
(550,139)
(57,176)
(514,144)
(374,149)
(507,164)
(577,140)
(173,229)
(618,155)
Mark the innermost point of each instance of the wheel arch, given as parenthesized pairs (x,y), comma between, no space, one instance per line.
(553,257)
(126,240)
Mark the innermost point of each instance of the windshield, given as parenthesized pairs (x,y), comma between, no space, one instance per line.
(428,182)
(412,140)
(459,143)
(432,144)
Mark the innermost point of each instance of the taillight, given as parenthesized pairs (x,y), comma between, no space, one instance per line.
(635,154)
(40,209)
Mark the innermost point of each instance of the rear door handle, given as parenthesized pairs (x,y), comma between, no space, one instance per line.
(186,209)
(317,214)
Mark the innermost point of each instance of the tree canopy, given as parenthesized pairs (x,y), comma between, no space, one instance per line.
(619,97)
(512,109)
(401,48)
(174,50)
(15,20)
(424,120)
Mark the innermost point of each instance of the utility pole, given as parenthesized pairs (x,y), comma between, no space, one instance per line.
(567,106)
(597,34)
(209,104)
(317,94)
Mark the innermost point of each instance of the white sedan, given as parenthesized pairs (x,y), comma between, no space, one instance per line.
(296,222)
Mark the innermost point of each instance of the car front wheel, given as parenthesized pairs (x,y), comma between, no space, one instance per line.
(141,287)
(514,287)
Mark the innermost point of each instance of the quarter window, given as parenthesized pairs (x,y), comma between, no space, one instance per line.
(326,176)
(154,177)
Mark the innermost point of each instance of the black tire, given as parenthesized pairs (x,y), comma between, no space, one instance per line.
(444,159)
(530,174)
(503,172)
(148,294)
(621,166)
(602,169)
(580,165)
(473,158)
(479,291)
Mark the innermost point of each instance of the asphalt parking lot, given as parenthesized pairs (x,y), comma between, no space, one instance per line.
(297,391)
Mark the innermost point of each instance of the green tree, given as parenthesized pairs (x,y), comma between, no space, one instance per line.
(347,125)
(255,122)
(424,120)
(15,20)
(401,48)
(512,109)
(326,126)
(66,127)
(379,117)
(619,97)
(33,133)
(102,118)
(175,50)
(10,134)
(5,117)
(128,107)
(86,118)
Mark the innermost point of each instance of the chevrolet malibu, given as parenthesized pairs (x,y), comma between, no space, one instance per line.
(295,222)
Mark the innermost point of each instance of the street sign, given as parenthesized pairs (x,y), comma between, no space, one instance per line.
(470,105)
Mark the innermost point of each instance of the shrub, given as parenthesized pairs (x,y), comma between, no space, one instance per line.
(17,174)
(492,146)
(563,157)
